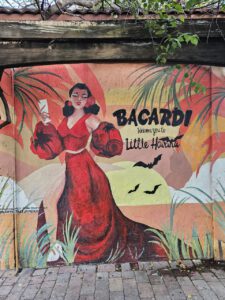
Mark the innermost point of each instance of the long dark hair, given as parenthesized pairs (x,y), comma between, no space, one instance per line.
(68,108)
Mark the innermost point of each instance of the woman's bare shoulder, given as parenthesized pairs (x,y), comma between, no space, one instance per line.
(92,122)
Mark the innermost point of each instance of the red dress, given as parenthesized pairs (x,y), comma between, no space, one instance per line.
(87,194)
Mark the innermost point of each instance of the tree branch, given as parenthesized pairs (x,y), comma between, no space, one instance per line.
(206,5)
(62,3)
(40,10)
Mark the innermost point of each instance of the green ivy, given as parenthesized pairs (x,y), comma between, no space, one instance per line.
(164,30)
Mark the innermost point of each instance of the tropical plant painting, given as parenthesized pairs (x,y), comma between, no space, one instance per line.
(111,163)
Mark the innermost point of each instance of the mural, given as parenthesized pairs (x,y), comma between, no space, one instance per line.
(111,163)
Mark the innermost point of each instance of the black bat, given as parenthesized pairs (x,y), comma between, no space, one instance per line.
(135,189)
(150,165)
(167,139)
(154,190)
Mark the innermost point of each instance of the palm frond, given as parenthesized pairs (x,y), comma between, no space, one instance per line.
(179,248)
(32,78)
(168,240)
(41,73)
(6,242)
(70,236)
(5,185)
(29,101)
(217,207)
(115,254)
(223,189)
(199,200)
(22,101)
(213,105)
(176,83)
(30,246)
(134,253)
(202,250)
(26,83)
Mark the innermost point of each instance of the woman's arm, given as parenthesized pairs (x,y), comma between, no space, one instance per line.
(46,141)
(92,123)
(106,140)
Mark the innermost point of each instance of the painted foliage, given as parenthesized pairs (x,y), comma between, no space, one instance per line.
(111,163)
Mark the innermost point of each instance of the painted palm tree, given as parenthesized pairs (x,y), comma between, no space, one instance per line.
(31,84)
(171,86)
(184,87)
(29,87)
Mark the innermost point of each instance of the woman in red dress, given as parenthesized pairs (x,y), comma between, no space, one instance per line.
(87,195)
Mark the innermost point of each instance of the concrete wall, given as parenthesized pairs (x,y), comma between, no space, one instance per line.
(143,179)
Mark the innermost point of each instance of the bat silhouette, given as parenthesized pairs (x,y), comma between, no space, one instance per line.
(154,190)
(150,165)
(135,189)
(167,139)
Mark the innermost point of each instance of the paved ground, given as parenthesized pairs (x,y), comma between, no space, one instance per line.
(145,280)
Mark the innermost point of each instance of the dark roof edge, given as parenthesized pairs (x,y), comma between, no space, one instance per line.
(108,11)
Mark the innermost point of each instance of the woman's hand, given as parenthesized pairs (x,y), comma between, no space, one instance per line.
(43,111)
(45,117)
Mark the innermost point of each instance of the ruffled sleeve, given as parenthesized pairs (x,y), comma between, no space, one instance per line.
(46,141)
(106,140)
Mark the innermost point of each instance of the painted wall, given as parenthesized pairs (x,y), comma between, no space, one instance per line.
(144,178)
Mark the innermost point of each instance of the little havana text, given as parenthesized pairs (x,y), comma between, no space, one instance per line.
(156,143)
(163,116)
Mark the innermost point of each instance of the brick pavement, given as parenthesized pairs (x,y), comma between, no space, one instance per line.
(145,280)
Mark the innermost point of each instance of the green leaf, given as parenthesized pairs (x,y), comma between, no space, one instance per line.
(160,32)
(178,7)
(178,66)
(187,38)
(196,89)
(194,40)
(182,19)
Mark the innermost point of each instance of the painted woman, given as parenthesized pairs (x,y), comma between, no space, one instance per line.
(87,194)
